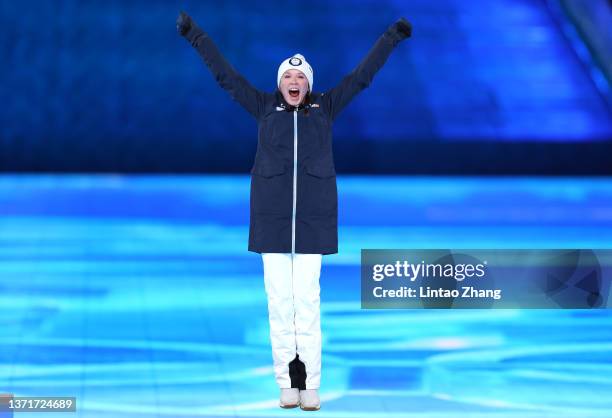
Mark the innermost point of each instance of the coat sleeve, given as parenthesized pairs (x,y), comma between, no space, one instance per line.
(341,95)
(238,87)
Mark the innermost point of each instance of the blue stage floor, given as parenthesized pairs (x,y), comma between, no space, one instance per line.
(137,295)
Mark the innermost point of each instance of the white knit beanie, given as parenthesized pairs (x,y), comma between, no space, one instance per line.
(296,62)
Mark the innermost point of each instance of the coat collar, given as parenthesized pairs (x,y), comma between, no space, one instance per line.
(290,108)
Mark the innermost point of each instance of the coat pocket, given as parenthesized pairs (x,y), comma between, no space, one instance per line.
(323,171)
(268,169)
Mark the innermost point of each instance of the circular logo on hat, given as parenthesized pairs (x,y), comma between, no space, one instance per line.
(295,61)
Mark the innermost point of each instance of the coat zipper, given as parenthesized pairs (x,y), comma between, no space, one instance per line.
(295,147)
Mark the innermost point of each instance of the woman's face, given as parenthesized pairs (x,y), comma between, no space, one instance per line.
(294,87)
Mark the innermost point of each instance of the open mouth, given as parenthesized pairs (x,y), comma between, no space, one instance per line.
(294,92)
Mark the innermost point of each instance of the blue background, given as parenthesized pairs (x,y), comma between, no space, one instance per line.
(136,293)
(110,86)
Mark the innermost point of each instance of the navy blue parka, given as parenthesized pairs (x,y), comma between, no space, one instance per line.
(294,201)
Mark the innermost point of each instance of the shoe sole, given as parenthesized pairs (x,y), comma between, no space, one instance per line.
(289,406)
(310,408)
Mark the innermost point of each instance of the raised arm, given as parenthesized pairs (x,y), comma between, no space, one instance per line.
(361,77)
(228,78)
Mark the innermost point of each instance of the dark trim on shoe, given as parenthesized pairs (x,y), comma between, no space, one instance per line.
(297,373)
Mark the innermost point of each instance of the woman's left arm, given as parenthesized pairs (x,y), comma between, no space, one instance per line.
(340,96)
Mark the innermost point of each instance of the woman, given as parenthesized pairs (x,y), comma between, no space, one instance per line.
(293,205)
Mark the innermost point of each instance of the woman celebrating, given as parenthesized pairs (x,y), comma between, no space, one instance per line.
(294,203)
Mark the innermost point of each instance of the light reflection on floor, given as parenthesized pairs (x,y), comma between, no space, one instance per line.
(137,296)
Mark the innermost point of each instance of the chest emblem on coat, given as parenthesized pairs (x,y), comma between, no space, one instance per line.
(281,108)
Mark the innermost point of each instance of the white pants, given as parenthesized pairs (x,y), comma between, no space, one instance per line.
(292,287)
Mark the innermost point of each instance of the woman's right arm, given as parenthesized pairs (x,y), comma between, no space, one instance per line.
(228,78)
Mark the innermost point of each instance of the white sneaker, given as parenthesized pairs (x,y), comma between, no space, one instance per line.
(309,400)
(289,398)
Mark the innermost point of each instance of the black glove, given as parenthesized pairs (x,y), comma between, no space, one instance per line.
(184,23)
(400,30)
(404,27)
